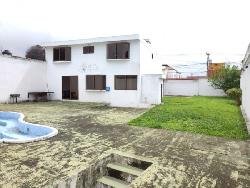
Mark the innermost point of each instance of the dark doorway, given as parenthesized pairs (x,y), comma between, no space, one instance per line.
(70,87)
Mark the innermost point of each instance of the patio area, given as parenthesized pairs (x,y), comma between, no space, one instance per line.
(88,131)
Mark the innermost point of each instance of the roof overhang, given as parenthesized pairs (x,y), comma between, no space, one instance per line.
(246,60)
(92,40)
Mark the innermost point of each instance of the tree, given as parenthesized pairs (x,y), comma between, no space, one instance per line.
(6,52)
(36,52)
(226,78)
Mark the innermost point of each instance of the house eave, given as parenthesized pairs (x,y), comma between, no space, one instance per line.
(92,40)
(246,60)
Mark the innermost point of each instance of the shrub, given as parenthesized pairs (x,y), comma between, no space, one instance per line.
(235,93)
(226,78)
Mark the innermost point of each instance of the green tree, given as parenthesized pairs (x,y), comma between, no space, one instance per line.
(226,78)
(36,52)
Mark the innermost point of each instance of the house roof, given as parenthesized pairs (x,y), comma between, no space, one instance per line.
(92,40)
(246,59)
(169,67)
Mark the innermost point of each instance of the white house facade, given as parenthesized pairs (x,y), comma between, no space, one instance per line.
(120,71)
(245,85)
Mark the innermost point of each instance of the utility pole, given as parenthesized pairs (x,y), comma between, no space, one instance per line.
(208,54)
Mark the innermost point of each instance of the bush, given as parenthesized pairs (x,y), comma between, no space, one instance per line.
(235,93)
(226,78)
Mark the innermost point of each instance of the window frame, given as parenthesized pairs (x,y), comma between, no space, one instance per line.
(95,78)
(60,50)
(116,51)
(90,49)
(126,82)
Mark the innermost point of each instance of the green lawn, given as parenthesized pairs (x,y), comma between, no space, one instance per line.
(217,116)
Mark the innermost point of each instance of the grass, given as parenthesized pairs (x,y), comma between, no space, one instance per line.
(216,116)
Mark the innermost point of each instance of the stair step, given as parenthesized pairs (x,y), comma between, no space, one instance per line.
(125,168)
(113,182)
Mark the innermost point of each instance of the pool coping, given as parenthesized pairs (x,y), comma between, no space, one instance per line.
(20,119)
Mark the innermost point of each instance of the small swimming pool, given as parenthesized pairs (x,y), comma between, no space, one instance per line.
(13,129)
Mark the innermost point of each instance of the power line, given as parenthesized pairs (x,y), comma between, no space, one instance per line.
(201,54)
(193,72)
(194,64)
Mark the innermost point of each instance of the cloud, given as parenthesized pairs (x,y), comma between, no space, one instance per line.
(18,39)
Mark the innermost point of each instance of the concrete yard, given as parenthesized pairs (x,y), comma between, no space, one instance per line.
(88,131)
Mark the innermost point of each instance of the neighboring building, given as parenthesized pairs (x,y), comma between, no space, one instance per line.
(245,84)
(189,84)
(169,72)
(214,67)
(120,70)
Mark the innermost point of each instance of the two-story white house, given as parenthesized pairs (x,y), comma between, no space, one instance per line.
(119,70)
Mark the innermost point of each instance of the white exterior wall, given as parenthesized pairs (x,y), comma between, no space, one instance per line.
(191,88)
(20,76)
(245,86)
(96,64)
(151,89)
(151,71)
(147,64)
(140,63)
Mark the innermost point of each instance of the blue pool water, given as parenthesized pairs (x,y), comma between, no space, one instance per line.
(14,129)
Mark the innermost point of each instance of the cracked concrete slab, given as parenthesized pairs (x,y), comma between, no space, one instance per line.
(88,131)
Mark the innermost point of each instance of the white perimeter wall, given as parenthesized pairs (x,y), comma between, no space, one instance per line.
(191,88)
(20,76)
(245,86)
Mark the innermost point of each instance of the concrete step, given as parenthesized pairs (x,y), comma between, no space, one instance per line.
(125,168)
(113,182)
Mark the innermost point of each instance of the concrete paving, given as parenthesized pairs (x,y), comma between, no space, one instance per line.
(87,131)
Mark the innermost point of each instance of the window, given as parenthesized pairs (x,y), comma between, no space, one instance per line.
(111,51)
(118,50)
(126,82)
(96,82)
(62,54)
(88,49)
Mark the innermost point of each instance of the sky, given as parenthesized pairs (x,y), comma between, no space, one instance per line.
(181,31)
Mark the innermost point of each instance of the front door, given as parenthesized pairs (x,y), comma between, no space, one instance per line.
(70,87)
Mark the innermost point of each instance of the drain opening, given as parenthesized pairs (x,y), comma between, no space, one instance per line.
(141,164)
(120,175)
(114,170)
(116,174)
